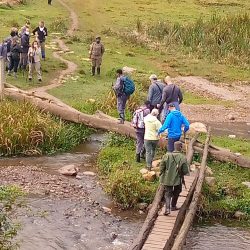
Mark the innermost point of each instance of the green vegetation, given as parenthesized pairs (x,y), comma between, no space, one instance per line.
(25,130)
(229,194)
(123,180)
(55,17)
(9,196)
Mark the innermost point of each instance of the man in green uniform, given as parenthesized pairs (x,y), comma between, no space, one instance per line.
(95,54)
(172,170)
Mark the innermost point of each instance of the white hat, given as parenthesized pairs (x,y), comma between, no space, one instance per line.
(153,77)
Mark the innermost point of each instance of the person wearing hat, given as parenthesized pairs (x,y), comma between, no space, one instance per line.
(155,91)
(174,123)
(171,94)
(173,167)
(95,54)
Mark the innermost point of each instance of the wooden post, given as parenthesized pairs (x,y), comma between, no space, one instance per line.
(2,76)
(181,237)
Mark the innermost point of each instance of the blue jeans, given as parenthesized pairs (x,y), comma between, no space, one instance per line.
(150,146)
(171,142)
(165,110)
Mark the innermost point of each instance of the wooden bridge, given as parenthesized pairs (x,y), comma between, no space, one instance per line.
(160,232)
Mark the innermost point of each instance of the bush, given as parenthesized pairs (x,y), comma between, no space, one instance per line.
(58,25)
(24,130)
(8,230)
(123,179)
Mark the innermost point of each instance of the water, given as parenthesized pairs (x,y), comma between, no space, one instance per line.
(218,237)
(75,223)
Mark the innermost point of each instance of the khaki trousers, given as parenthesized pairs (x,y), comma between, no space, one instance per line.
(35,67)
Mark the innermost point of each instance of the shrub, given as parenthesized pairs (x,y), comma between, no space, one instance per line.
(25,130)
(58,25)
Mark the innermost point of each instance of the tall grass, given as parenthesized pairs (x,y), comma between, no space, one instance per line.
(25,130)
(224,39)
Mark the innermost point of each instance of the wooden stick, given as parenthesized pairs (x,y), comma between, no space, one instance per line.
(181,237)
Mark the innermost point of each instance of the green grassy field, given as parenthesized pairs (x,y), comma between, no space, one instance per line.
(16,17)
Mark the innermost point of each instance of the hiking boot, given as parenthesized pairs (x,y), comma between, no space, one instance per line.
(93,70)
(98,71)
(167,212)
(175,208)
(39,80)
(120,121)
(30,79)
(138,158)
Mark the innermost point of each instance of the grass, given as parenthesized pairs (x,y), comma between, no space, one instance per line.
(9,198)
(24,130)
(229,194)
(123,180)
(56,20)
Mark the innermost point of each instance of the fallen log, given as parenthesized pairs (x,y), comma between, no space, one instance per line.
(51,104)
(149,222)
(153,212)
(69,114)
(181,237)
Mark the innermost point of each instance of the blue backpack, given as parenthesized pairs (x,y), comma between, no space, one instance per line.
(128,86)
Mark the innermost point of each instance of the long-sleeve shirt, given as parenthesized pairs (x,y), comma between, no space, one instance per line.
(155,93)
(34,55)
(171,93)
(118,86)
(172,167)
(173,123)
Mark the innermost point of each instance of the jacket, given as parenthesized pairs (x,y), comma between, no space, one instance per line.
(171,93)
(173,123)
(96,50)
(155,93)
(15,51)
(41,33)
(34,55)
(25,43)
(152,125)
(172,167)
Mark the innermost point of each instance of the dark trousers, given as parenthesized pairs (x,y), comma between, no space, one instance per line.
(171,142)
(121,105)
(172,194)
(140,140)
(14,64)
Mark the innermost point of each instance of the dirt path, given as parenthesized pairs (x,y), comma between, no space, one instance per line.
(63,48)
(236,95)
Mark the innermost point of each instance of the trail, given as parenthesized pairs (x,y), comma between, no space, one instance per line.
(63,48)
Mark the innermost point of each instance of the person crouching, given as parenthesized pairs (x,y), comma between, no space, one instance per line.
(173,167)
(34,54)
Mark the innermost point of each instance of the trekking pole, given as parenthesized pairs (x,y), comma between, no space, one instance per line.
(185,141)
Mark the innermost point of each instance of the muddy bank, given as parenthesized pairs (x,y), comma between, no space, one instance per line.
(65,212)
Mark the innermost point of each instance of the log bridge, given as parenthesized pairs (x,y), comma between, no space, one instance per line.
(169,232)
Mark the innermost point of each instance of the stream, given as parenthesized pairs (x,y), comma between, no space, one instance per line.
(65,213)
(71,219)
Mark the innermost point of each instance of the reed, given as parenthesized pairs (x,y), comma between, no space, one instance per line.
(25,130)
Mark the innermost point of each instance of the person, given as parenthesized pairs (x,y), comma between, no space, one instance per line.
(41,32)
(95,54)
(34,54)
(25,44)
(49,2)
(173,167)
(14,56)
(152,125)
(171,94)
(174,123)
(139,125)
(155,91)
(120,95)
(24,28)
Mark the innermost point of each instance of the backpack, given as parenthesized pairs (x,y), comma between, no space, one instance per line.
(3,50)
(128,86)
(138,118)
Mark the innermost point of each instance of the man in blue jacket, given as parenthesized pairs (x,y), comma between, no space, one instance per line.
(173,123)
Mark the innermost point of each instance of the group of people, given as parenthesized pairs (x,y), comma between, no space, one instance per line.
(18,52)
(160,113)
